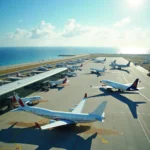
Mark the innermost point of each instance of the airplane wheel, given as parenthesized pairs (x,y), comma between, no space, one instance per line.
(109,90)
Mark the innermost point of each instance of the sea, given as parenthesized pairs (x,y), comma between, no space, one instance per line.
(19,55)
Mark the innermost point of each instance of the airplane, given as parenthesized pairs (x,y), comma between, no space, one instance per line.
(78,67)
(71,62)
(20,75)
(37,71)
(80,61)
(99,61)
(74,68)
(48,66)
(69,74)
(60,118)
(4,82)
(98,71)
(58,83)
(27,100)
(12,78)
(113,62)
(114,65)
(42,69)
(109,85)
(61,65)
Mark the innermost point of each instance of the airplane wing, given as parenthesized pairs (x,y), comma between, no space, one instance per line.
(79,107)
(55,124)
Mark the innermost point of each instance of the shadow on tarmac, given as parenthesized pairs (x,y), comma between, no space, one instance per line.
(59,88)
(117,95)
(127,71)
(63,137)
(94,73)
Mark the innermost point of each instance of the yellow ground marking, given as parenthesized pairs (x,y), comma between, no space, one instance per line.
(17,147)
(103,140)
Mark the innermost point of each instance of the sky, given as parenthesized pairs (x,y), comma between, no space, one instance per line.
(99,23)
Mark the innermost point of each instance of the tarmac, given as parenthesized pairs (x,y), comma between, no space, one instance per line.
(127,115)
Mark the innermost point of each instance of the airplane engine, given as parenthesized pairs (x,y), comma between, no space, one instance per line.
(71,109)
(52,121)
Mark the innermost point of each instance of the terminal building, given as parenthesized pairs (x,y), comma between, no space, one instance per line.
(27,85)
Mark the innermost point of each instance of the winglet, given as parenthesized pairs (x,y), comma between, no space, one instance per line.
(85,96)
(65,80)
(37,125)
(21,103)
(14,99)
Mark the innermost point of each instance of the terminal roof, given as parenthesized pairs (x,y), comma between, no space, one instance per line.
(29,80)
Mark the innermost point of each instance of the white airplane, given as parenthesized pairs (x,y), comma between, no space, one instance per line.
(20,75)
(48,66)
(4,82)
(42,69)
(27,100)
(61,65)
(99,61)
(61,118)
(112,62)
(78,67)
(74,68)
(58,83)
(69,74)
(98,71)
(114,65)
(109,85)
(71,62)
(37,71)
(13,78)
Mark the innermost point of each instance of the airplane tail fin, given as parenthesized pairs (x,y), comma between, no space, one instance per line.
(105,59)
(20,101)
(17,74)
(81,65)
(104,68)
(134,85)
(128,64)
(14,99)
(99,111)
(65,80)
(114,62)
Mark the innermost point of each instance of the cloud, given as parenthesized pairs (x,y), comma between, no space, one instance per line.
(19,34)
(76,34)
(44,30)
(72,29)
(123,22)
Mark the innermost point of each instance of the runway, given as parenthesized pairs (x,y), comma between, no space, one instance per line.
(127,115)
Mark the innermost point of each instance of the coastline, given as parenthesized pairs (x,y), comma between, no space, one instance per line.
(20,67)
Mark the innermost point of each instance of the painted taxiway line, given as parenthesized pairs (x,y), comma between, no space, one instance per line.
(144,97)
(144,124)
(144,130)
(138,118)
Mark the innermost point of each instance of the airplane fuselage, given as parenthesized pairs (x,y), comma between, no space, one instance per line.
(115,85)
(32,98)
(97,70)
(57,115)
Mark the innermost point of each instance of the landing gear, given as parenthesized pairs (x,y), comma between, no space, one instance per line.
(109,90)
